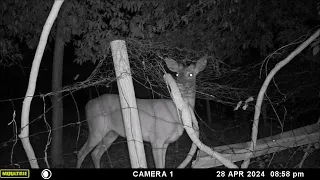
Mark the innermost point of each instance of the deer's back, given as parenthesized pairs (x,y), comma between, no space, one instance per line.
(156,115)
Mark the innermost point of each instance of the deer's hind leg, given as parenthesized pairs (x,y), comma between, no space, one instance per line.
(93,139)
(102,147)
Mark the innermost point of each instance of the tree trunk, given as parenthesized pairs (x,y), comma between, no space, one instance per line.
(57,109)
(208,112)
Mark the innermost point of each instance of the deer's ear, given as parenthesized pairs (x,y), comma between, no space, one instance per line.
(172,65)
(201,64)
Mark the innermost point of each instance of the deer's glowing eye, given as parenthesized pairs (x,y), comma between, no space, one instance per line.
(190,75)
(177,74)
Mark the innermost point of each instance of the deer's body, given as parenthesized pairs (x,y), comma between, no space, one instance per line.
(159,120)
(150,112)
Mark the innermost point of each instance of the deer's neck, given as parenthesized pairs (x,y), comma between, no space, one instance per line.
(188,92)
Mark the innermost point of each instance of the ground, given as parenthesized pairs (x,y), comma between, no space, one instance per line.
(219,133)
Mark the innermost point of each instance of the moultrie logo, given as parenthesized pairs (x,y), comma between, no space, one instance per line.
(14,173)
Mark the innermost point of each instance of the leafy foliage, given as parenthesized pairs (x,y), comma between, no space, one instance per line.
(21,23)
(228,29)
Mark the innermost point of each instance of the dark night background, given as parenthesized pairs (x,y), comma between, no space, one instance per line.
(237,35)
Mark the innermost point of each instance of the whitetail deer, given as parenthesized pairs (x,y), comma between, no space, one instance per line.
(159,119)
